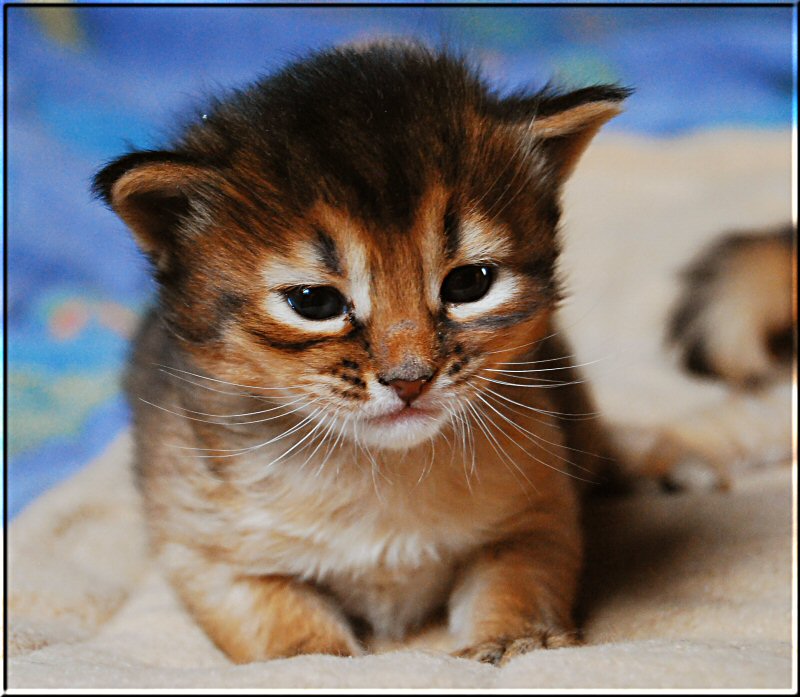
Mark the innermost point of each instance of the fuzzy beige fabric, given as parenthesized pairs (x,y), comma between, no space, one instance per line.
(683,591)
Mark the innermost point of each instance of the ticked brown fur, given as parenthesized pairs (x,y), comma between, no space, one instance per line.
(291,494)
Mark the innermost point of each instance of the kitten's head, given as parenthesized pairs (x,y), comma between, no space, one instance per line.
(371,229)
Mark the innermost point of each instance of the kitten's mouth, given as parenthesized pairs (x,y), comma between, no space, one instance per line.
(401,428)
(404,415)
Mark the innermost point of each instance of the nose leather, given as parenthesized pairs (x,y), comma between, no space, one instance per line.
(408,379)
(408,390)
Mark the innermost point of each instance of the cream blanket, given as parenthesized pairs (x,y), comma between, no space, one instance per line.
(686,591)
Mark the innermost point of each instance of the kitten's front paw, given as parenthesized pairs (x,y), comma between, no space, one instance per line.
(328,642)
(501,650)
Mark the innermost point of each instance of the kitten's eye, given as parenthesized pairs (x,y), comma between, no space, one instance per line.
(316,302)
(466,284)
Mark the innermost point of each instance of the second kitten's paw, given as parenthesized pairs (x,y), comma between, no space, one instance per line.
(501,650)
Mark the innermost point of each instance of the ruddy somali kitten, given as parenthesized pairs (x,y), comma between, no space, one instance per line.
(352,407)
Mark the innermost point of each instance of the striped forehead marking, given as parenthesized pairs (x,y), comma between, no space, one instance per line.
(451,229)
(327,252)
(343,244)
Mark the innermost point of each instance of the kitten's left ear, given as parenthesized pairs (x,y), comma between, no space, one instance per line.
(563,125)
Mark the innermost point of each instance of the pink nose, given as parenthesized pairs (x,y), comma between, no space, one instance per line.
(408,390)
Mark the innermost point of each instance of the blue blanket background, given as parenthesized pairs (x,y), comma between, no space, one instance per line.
(83,84)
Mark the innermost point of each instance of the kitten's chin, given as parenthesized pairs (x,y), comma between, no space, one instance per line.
(399,430)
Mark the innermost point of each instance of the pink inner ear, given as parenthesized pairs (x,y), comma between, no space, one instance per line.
(567,134)
(152,199)
(580,118)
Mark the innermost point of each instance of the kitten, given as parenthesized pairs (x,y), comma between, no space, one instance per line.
(351,404)
(733,322)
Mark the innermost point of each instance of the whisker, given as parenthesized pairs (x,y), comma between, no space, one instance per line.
(530,343)
(452,425)
(568,357)
(524,450)
(323,440)
(212,389)
(542,370)
(264,470)
(374,467)
(473,468)
(463,424)
(549,423)
(544,440)
(498,449)
(249,413)
(331,423)
(232,423)
(505,457)
(545,412)
(241,451)
(167,369)
(537,387)
(429,467)
(335,444)
(464,418)
(316,436)
(531,380)
(528,434)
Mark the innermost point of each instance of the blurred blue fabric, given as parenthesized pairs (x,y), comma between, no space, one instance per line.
(85,83)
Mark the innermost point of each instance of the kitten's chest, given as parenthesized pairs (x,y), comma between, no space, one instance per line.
(319,528)
(387,559)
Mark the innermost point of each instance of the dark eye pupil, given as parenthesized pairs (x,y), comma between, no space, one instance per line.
(316,302)
(466,284)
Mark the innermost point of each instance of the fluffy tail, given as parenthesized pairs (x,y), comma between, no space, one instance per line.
(733,322)
(735,317)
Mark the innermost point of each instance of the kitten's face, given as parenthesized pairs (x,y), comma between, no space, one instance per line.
(372,232)
(388,335)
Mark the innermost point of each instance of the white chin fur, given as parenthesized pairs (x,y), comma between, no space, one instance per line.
(397,436)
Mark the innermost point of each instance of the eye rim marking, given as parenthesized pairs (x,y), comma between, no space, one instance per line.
(502,321)
(504,295)
(355,333)
(289,346)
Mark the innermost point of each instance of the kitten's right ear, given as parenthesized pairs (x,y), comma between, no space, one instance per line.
(152,192)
